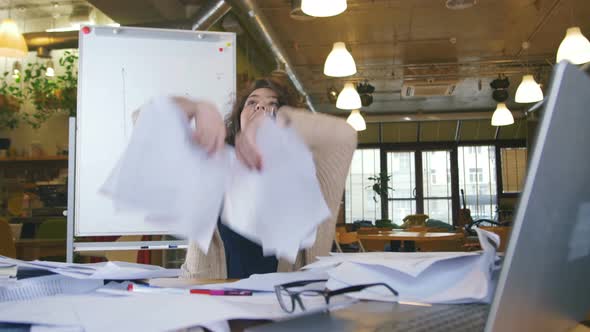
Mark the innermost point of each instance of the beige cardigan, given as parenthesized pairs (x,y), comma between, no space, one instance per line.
(332,142)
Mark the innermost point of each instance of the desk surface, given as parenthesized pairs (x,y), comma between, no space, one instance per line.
(362,316)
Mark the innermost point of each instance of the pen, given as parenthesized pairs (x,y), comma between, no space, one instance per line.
(232,292)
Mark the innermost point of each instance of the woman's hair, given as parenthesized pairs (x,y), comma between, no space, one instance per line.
(286,96)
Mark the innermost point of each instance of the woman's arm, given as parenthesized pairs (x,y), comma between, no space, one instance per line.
(332,142)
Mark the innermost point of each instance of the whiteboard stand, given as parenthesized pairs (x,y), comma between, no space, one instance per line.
(120,69)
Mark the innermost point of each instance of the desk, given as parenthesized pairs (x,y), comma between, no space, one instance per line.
(410,236)
(31,249)
(360,317)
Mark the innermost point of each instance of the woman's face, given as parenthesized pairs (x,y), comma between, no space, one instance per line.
(260,100)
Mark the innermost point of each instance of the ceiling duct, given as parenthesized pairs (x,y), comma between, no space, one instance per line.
(210,13)
(263,28)
(460,4)
(428,88)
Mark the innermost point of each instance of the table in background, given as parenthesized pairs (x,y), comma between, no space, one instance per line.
(393,236)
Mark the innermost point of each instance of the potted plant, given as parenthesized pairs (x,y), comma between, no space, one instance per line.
(379,185)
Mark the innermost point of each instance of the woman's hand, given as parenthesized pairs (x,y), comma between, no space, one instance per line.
(246,149)
(210,129)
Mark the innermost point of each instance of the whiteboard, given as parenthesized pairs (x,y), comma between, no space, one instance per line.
(119,70)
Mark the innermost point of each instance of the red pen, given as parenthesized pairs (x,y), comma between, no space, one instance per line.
(232,292)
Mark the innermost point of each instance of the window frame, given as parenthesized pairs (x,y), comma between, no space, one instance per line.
(419,147)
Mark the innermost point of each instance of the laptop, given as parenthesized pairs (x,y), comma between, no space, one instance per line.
(544,284)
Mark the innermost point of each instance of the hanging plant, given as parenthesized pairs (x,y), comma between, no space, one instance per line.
(48,95)
(11,100)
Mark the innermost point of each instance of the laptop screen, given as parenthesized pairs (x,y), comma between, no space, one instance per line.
(544,284)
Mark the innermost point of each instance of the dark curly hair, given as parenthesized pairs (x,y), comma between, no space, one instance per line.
(286,96)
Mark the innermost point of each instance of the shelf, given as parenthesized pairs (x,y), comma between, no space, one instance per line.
(29,159)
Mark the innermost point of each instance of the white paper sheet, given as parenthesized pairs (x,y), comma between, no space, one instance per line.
(166,177)
(411,263)
(105,270)
(281,206)
(452,278)
(266,282)
(32,288)
(134,313)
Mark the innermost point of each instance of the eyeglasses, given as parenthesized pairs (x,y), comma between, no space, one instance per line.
(289,297)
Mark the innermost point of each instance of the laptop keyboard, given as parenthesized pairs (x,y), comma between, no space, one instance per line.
(458,317)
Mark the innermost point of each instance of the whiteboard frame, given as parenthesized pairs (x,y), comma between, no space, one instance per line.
(73,164)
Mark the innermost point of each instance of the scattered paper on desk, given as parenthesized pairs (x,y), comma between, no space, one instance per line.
(418,277)
(169,179)
(128,313)
(163,175)
(32,288)
(281,206)
(266,282)
(103,270)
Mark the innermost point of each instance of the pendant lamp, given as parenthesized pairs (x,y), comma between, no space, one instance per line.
(12,43)
(502,116)
(356,121)
(349,98)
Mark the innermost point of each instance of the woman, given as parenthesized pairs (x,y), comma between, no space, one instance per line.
(331,140)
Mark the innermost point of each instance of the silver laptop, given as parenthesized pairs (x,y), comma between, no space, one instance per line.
(544,284)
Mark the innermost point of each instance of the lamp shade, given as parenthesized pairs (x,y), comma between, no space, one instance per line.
(349,98)
(339,62)
(356,121)
(323,8)
(574,47)
(502,116)
(528,91)
(12,43)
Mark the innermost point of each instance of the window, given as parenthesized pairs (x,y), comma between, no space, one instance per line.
(360,201)
(474,149)
(437,197)
(514,162)
(477,177)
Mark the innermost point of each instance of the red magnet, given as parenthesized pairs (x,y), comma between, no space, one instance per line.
(86,30)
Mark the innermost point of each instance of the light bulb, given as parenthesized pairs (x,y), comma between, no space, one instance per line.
(323,8)
(574,48)
(349,98)
(528,91)
(49,72)
(502,116)
(356,121)
(339,62)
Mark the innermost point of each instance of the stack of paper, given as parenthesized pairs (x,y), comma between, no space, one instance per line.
(453,277)
(32,288)
(170,179)
(100,271)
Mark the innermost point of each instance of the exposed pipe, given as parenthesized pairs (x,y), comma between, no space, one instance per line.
(435,116)
(210,13)
(263,27)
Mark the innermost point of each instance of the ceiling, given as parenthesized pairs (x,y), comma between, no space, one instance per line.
(394,42)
